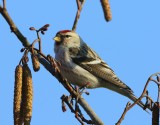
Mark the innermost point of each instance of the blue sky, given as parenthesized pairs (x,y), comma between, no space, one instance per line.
(129,44)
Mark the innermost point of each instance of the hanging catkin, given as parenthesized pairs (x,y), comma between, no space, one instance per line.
(27,94)
(35,62)
(18,95)
(106,10)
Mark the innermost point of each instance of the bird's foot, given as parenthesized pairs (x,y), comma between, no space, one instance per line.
(85,86)
(83,89)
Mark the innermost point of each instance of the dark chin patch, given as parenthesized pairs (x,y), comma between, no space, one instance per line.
(58,43)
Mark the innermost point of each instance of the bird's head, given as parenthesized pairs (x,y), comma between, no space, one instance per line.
(66,39)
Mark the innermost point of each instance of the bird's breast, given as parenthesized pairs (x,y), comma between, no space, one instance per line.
(63,57)
(74,73)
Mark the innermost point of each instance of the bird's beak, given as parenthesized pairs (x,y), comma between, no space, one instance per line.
(57,39)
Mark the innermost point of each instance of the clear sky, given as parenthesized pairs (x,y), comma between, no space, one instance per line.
(129,44)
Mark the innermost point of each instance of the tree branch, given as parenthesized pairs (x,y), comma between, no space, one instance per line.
(66,85)
(48,67)
(13,27)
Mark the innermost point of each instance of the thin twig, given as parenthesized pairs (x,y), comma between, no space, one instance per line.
(76,111)
(158,98)
(149,101)
(144,90)
(158,84)
(80,4)
(142,95)
(124,113)
(40,42)
(4,4)
(32,46)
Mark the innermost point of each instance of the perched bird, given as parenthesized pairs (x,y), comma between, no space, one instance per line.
(81,66)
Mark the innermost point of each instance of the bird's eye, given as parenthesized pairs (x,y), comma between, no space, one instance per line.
(67,36)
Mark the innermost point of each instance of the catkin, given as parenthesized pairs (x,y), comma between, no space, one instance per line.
(18,95)
(35,62)
(106,10)
(27,95)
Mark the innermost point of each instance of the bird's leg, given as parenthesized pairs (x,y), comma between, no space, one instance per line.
(83,89)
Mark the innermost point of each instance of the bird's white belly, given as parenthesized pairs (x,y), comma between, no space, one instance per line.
(79,76)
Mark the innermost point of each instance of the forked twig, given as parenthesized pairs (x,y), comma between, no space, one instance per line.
(128,107)
(78,114)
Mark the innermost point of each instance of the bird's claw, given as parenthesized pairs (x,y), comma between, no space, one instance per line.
(83,89)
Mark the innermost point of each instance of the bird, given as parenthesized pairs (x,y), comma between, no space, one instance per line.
(82,66)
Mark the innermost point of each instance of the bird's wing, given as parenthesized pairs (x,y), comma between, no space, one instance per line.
(89,60)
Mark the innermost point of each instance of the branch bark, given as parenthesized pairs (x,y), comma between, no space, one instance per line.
(13,27)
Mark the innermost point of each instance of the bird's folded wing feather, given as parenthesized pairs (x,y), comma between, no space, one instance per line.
(89,60)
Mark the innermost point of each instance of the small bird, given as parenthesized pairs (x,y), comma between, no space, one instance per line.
(82,66)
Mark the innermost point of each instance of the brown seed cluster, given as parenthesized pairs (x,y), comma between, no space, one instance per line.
(18,95)
(106,10)
(27,97)
(35,62)
(23,95)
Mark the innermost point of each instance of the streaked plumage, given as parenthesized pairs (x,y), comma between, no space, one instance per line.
(80,65)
